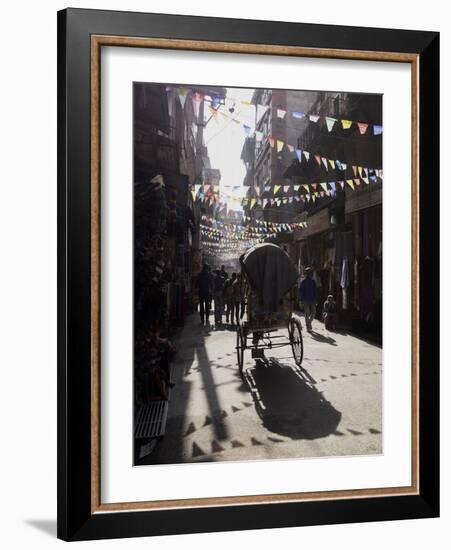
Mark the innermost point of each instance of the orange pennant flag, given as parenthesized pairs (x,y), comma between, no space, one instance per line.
(362,127)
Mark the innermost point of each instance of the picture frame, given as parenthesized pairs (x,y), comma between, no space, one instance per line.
(81,35)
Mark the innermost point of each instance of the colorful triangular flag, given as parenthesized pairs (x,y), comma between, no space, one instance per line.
(346,124)
(330,122)
(377,130)
(362,127)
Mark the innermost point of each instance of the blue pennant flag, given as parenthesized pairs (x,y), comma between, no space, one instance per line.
(377,130)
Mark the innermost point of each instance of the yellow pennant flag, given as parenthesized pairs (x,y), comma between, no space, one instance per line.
(279,145)
(359,168)
(193,193)
(332,163)
(346,124)
(307,188)
(324,186)
(351,184)
(276,189)
(253,201)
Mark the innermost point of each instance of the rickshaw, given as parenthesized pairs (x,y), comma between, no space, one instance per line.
(268,279)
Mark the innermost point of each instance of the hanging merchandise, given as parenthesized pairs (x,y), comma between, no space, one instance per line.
(344,282)
(356,285)
(182,93)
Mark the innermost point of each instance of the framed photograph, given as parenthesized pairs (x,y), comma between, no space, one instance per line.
(248,274)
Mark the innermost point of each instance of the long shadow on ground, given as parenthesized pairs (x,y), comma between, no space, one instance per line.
(288,403)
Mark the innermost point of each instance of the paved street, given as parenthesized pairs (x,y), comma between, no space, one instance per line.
(330,407)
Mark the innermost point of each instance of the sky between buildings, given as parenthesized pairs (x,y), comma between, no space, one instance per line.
(225,138)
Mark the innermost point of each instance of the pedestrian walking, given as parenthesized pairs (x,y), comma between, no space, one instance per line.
(237,298)
(205,290)
(218,290)
(224,272)
(330,313)
(228,297)
(308,295)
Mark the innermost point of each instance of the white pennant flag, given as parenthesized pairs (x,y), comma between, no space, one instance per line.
(330,123)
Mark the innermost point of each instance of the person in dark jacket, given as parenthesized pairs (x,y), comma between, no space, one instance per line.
(228,297)
(218,296)
(224,272)
(205,291)
(308,296)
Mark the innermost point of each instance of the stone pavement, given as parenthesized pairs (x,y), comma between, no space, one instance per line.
(332,406)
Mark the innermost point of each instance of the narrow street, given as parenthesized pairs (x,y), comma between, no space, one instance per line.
(332,406)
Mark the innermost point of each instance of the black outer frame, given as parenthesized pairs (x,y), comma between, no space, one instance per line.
(75,520)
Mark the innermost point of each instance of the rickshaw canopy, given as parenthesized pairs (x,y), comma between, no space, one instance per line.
(270,273)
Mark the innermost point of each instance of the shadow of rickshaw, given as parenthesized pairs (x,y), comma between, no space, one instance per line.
(288,403)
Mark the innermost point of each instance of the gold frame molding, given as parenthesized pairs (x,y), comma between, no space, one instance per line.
(97,41)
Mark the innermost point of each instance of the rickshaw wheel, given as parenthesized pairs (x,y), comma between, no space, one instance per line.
(297,345)
(240,346)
